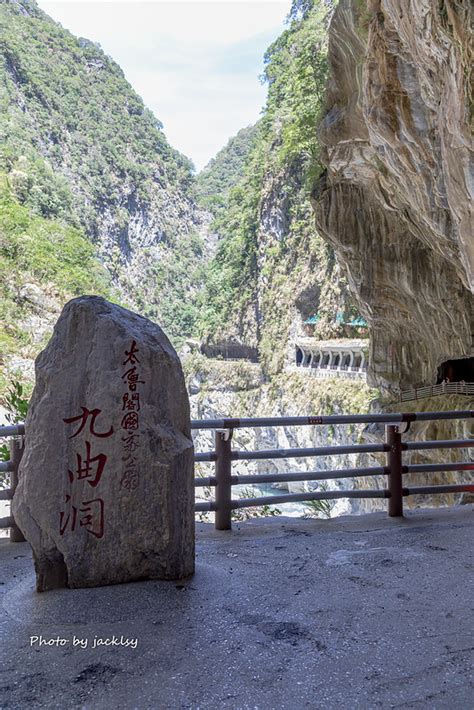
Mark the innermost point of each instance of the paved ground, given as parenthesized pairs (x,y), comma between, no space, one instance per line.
(360,612)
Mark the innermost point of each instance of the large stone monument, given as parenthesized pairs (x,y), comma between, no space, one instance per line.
(106,490)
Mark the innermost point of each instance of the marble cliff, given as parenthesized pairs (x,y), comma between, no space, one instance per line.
(394,199)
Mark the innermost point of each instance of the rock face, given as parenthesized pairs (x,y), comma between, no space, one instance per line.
(106,489)
(395,199)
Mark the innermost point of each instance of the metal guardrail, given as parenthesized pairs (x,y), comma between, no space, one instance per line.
(327,371)
(223,456)
(393,447)
(16,452)
(435,390)
(325,420)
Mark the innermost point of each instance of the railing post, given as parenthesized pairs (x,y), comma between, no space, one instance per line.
(223,443)
(394,456)
(16,452)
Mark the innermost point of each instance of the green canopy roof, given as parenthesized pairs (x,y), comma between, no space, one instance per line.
(356,322)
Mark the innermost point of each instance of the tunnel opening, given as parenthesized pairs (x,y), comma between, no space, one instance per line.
(461,370)
(299,356)
(346,360)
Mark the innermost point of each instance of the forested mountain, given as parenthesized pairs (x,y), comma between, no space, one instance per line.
(83,162)
(272,269)
(78,145)
(222,173)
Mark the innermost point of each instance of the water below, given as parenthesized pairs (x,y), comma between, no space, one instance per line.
(295,510)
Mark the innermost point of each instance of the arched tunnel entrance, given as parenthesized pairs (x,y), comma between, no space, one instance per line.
(456,370)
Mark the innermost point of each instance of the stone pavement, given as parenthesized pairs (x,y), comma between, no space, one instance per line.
(354,612)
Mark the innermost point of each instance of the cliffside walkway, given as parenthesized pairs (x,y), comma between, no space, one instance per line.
(435,390)
(355,612)
(332,358)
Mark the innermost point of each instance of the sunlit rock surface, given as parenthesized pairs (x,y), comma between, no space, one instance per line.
(105,491)
(395,199)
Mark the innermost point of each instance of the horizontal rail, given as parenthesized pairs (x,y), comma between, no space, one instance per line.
(7,522)
(441,444)
(206,507)
(12,430)
(299,497)
(257,422)
(294,476)
(303,453)
(205,481)
(209,456)
(309,475)
(435,467)
(205,456)
(454,488)
(209,506)
(394,418)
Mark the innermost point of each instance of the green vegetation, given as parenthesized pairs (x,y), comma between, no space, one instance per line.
(271,266)
(16,403)
(172,283)
(88,177)
(74,94)
(319,508)
(255,511)
(331,396)
(80,151)
(47,254)
(230,286)
(215,181)
(214,374)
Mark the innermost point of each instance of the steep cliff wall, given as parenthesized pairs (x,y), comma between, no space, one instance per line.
(229,389)
(394,201)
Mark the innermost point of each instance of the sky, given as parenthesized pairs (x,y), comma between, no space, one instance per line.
(195,63)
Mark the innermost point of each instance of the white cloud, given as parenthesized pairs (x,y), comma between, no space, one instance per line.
(195,63)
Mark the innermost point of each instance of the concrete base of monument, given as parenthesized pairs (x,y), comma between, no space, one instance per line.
(350,612)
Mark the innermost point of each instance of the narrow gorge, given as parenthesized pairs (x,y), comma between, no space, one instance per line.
(321,263)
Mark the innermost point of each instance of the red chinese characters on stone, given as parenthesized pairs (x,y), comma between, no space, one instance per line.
(131,442)
(93,414)
(130,421)
(129,457)
(131,402)
(91,517)
(131,354)
(90,466)
(66,518)
(130,480)
(86,469)
(131,376)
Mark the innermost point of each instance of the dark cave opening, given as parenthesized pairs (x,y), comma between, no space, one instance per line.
(456,370)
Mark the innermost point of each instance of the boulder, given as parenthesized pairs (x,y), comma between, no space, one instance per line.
(106,490)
